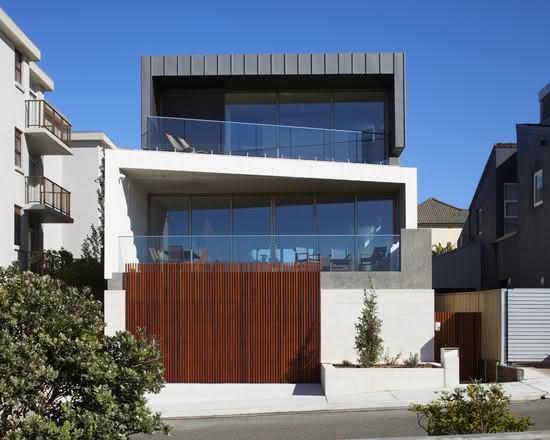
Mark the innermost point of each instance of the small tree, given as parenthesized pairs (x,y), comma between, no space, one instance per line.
(60,376)
(368,342)
(475,409)
(439,249)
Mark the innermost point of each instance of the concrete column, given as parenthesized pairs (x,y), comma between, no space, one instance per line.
(451,364)
(114,311)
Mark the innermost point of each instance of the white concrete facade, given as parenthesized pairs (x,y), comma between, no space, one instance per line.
(407,322)
(130,175)
(444,235)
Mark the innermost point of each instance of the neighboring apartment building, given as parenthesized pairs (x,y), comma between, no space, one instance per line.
(445,221)
(277,158)
(505,239)
(47,172)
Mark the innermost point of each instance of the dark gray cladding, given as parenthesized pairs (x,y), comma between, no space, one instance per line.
(342,63)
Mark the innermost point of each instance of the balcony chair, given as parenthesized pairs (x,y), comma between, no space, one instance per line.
(179,144)
(380,258)
(157,255)
(340,260)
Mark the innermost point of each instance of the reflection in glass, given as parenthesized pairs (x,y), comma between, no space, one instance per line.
(294,216)
(252,229)
(210,217)
(169,218)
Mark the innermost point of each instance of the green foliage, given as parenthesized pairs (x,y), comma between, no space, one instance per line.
(368,342)
(77,272)
(475,409)
(439,249)
(93,245)
(412,361)
(388,359)
(60,376)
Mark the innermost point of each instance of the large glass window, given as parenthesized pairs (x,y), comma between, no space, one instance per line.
(252,229)
(300,110)
(362,111)
(209,219)
(294,228)
(335,229)
(169,226)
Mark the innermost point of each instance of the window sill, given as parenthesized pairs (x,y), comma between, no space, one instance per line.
(536,205)
(19,170)
(506,236)
(20,87)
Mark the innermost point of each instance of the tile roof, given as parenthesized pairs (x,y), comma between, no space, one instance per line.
(435,212)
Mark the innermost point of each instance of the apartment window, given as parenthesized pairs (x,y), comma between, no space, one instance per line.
(537,188)
(18,67)
(18,213)
(17,146)
(511,207)
(479,221)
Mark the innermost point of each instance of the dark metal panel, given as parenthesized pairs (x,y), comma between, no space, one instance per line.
(331,63)
(358,62)
(184,65)
(373,62)
(224,64)
(277,64)
(291,64)
(250,64)
(237,64)
(264,64)
(211,65)
(171,65)
(145,96)
(304,64)
(157,66)
(197,65)
(399,101)
(344,63)
(318,64)
(386,63)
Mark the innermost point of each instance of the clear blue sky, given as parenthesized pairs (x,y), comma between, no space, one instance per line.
(474,67)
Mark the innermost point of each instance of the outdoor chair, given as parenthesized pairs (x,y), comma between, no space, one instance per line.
(340,260)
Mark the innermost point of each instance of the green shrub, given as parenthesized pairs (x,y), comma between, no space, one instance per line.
(412,361)
(368,341)
(388,359)
(472,410)
(60,376)
(439,249)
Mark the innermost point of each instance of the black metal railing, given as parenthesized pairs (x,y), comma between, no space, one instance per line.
(40,114)
(40,189)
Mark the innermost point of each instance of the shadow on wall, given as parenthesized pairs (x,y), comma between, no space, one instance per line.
(427,351)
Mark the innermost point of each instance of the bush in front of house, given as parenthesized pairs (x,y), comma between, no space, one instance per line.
(475,409)
(368,342)
(60,376)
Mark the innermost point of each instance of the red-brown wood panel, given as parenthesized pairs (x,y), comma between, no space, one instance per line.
(462,330)
(229,322)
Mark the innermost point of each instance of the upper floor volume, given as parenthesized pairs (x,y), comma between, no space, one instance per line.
(347,107)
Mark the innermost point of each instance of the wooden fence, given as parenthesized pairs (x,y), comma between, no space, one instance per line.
(229,322)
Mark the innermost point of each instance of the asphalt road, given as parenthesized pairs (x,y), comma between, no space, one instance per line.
(323,425)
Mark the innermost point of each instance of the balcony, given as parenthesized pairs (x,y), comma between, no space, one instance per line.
(264,140)
(47,201)
(334,253)
(47,131)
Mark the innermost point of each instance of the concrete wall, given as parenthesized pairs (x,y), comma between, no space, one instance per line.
(459,269)
(407,315)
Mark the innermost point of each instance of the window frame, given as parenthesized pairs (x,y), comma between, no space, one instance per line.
(17,224)
(507,201)
(18,148)
(18,67)
(479,223)
(536,174)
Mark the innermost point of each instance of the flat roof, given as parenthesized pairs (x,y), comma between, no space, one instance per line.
(18,37)
(40,77)
(93,136)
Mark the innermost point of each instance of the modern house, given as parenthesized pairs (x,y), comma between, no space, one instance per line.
(261,163)
(444,220)
(505,240)
(47,172)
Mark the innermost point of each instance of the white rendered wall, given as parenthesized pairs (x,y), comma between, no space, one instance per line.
(12,114)
(126,201)
(407,315)
(445,235)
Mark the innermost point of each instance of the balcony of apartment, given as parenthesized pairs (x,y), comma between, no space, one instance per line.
(187,135)
(47,201)
(334,253)
(47,131)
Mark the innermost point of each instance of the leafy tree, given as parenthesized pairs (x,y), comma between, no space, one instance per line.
(368,342)
(439,249)
(60,376)
(93,245)
(475,409)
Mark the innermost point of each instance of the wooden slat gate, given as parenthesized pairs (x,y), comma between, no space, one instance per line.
(229,323)
(462,330)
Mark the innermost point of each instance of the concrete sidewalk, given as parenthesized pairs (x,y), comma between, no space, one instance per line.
(198,400)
